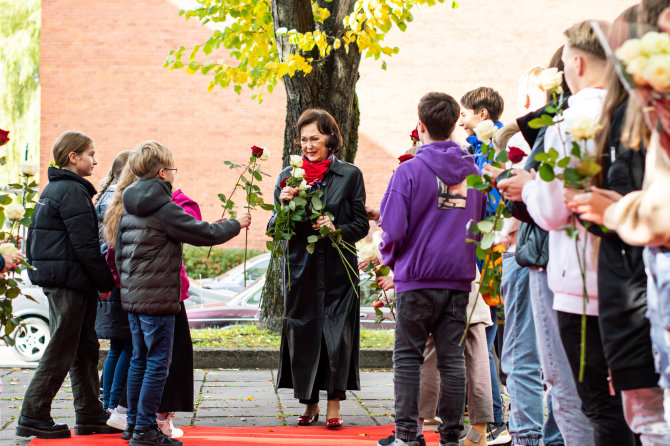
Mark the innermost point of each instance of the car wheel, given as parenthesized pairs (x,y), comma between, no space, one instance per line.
(31,338)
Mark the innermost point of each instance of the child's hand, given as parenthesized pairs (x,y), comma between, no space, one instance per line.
(385,282)
(244,220)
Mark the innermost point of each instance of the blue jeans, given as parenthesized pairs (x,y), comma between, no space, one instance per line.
(520,358)
(495,389)
(419,313)
(550,433)
(116,371)
(152,351)
(657,262)
(575,427)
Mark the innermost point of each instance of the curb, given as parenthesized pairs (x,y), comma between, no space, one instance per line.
(264,358)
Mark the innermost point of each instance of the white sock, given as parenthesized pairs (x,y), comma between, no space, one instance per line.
(419,427)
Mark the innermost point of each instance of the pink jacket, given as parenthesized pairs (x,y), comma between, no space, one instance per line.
(192,208)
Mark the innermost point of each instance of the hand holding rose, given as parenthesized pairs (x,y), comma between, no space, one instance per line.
(493,172)
(591,206)
(288,192)
(324,220)
(511,187)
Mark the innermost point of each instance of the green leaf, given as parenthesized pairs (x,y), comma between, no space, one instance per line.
(312,239)
(542,121)
(266,207)
(5,199)
(383,271)
(553,154)
(317,205)
(487,240)
(310,248)
(542,157)
(502,156)
(546,172)
(269,245)
(563,162)
(485,226)
(572,175)
(474,180)
(576,150)
(291,205)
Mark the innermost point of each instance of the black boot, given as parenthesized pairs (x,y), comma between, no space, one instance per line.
(94,425)
(152,437)
(128,433)
(33,427)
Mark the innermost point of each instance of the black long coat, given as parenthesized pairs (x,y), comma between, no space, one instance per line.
(321,303)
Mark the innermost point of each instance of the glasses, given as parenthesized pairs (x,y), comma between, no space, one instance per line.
(175,170)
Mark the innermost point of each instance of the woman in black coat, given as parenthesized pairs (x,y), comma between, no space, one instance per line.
(320,333)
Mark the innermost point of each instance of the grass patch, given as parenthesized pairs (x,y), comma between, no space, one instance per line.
(250,336)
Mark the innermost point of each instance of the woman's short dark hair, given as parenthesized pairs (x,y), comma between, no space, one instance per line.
(326,125)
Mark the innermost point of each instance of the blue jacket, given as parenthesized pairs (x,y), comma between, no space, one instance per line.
(475,148)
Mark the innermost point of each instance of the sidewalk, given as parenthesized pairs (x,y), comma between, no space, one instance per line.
(222,398)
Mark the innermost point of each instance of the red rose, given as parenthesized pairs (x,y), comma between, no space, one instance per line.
(515,154)
(414,135)
(282,183)
(403,158)
(256,151)
(4,137)
(377,303)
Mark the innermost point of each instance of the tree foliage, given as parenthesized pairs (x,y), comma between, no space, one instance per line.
(245,28)
(19,81)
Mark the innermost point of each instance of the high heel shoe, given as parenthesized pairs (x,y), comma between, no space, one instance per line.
(307,420)
(334,423)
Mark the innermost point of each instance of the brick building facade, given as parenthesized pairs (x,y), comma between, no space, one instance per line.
(102,73)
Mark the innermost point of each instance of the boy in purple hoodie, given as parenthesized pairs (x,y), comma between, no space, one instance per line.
(424,213)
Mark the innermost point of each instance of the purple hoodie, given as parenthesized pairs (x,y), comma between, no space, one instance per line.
(191,207)
(424,214)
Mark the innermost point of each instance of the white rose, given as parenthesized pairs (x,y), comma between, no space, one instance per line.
(583,128)
(298,172)
(303,185)
(14,211)
(29,168)
(631,49)
(7,249)
(266,155)
(551,79)
(367,252)
(296,161)
(485,130)
(657,73)
(636,69)
(655,43)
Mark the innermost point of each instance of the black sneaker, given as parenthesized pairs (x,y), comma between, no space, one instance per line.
(153,437)
(33,427)
(390,440)
(128,433)
(497,434)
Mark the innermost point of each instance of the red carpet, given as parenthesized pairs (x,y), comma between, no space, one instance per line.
(254,436)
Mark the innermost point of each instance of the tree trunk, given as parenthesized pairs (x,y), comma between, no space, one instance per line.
(331,86)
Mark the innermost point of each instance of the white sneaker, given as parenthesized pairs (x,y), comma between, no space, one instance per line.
(117,420)
(168,428)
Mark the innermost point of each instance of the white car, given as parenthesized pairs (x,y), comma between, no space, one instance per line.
(32,336)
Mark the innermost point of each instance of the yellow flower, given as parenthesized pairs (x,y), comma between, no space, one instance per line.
(551,79)
(636,69)
(631,49)
(29,169)
(296,161)
(14,211)
(485,130)
(654,43)
(7,249)
(367,252)
(583,128)
(298,172)
(657,73)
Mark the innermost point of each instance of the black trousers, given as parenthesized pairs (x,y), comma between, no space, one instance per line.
(178,390)
(73,347)
(603,410)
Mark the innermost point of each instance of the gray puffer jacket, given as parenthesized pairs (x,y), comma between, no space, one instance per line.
(148,246)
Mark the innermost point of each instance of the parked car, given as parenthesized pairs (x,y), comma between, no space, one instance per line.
(233,280)
(32,336)
(245,308)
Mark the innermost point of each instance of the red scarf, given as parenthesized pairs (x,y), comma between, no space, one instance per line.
(315,171)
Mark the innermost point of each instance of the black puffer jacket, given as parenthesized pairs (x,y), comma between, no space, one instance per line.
(62,242)
(622,281)
(148,246)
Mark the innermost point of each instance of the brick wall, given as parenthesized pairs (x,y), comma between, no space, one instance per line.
(101,73)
